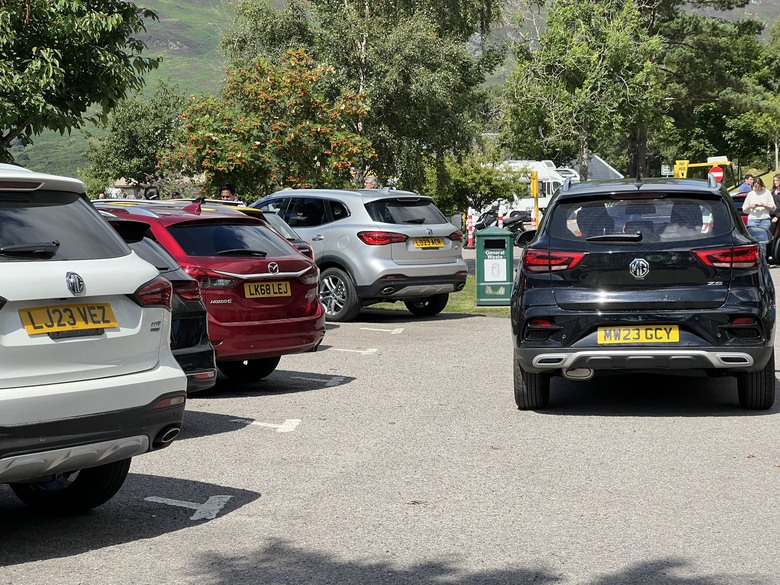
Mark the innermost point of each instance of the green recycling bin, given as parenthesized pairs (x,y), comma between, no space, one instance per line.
(494,267)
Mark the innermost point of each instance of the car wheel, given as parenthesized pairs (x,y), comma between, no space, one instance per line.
(429,306)
(532,391)
(338,295)
(248,370)
(757,389)
(775,251)
(77,491)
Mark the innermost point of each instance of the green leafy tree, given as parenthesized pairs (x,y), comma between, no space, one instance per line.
(60,58)
(139,131)
(422,84)
(274,126)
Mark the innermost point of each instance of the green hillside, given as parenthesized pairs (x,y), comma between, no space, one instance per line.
(187,37)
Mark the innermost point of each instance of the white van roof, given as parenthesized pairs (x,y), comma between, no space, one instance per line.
(545,172)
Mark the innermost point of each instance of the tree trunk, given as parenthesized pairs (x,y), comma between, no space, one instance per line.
(584,158)
(637,152)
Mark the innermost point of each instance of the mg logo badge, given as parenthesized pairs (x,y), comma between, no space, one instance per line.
(273,268)
(639,268)
(75,283)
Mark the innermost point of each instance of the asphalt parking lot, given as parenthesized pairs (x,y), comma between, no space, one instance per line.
(396,455)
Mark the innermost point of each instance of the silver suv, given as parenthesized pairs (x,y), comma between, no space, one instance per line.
(374,246)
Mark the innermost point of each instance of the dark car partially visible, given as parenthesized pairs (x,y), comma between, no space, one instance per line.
(190,343)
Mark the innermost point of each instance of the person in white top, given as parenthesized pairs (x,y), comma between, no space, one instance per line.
(759,205)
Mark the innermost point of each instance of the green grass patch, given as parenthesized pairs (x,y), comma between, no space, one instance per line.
(461,302)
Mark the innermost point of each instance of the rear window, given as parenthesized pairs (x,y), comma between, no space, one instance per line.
(66,223)
(154,254)
(400,211)
(229,239)
(665,219)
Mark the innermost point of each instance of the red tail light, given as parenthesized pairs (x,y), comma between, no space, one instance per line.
(456,236)
(311,276)
(155,293)
(738,257)
(543,260)
(381,238)
(189,291)
(209,279)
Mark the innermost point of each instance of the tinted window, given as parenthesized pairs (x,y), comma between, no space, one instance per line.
(51,216)
(339,210)
(305,212)
(154,254)
(280,225)
(214,239)
(667,219)
(403,211)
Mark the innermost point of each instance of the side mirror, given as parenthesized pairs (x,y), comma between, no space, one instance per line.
(760,234)
(523,238)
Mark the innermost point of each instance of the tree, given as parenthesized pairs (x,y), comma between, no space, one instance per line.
(139,131)
(60,58)
(588,80)
(422,84)
(274,126)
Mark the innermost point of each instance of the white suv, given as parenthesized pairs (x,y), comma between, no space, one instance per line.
(88,379)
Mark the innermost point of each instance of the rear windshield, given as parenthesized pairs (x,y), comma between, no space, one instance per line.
(400,211)
(665,219)
(220,239)
(154,254)
(54,225)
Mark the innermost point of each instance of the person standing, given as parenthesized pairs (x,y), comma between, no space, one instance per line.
(759,205)
(227,192)
(747,185)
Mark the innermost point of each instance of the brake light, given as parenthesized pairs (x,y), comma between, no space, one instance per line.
(208,279)
(189,290)
(738,257)
(544,260)
(456,236)
(311,276)
(155,293)
(381,238)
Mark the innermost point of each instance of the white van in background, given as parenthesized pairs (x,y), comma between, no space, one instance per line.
(550,180)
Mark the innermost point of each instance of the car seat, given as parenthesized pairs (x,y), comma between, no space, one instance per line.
(594,221)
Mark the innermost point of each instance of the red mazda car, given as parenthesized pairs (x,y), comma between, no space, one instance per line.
(260,292)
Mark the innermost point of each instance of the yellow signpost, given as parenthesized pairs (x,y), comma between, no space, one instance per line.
(535,195)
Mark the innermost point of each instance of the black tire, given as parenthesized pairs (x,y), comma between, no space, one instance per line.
(532,391)
(75,492)
(338,296)
(248,370)
(757,389)
(429,306)
(775,251)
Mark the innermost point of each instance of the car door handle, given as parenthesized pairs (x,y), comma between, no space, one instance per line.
(318,238)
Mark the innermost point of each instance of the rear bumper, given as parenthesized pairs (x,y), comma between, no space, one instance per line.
(638,359)
(404,288)
(267,338)
(34,451)
(199,365)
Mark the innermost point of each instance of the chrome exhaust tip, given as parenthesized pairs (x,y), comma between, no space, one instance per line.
(165,436)
(580,374)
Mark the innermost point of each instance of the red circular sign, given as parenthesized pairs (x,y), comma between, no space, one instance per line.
(717,172)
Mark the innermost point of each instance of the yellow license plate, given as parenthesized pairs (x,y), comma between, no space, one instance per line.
(56,318)
(639,334)
(428,242)
(254,290)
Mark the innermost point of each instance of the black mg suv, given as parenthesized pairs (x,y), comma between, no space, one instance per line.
(635,276)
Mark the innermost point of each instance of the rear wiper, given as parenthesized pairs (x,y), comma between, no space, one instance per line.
(242,252)
(637,237)
(32,249)
(415,220)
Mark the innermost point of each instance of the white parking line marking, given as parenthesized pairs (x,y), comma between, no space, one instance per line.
(329,382)
(363,351)
(390,331)
(288,426)
(205,511)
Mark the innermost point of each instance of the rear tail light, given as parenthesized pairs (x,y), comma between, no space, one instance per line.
(155,293)
(189,291)
(544,260)
(737,257)
(311,276)
(208,279)
(456,236)
(381,238)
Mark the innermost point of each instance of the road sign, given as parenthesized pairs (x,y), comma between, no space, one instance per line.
(717,173)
